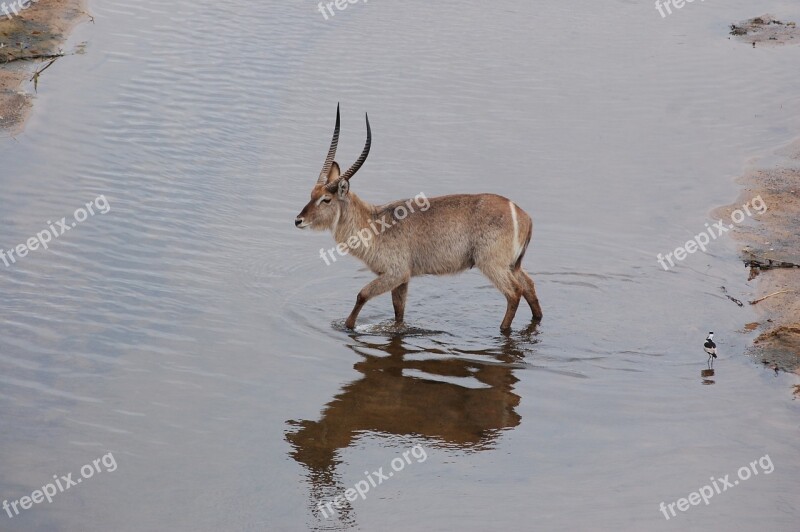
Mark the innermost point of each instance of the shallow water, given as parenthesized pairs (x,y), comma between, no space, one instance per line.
(193,332)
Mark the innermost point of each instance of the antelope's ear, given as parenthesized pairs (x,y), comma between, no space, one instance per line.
(344,188)
(334,172)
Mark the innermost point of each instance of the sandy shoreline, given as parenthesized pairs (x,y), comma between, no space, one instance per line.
(770,247)
(34,35)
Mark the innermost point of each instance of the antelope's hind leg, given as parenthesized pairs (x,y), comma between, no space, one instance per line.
(529,291)
(506,281)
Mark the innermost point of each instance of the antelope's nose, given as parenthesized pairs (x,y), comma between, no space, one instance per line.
(298,221)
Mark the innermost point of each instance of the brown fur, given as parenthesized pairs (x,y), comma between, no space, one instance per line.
(455,233)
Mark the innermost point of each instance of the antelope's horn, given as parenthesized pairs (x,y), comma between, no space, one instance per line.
(363,157)
(323,175)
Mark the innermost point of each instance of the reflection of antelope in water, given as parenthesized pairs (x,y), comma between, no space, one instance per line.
(386,400)
(455,233)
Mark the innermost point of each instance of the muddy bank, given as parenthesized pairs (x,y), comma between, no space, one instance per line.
(770,251)
(766,30)
(27,40)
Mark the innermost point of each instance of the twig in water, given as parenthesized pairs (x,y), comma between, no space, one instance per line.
(35,78)
(33,56)
(768,295)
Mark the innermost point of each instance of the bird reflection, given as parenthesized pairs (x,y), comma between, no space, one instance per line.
(706,374)
(449,397)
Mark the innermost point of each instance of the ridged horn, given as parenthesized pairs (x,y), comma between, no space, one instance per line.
(363,157)
(323,175)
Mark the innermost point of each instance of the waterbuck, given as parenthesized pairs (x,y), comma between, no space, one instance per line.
(453,234)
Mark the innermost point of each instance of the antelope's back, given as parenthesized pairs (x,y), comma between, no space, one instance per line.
(456,232)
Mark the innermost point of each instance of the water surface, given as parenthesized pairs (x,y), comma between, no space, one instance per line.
(196,334)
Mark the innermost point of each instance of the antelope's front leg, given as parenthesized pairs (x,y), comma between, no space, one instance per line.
(381,285)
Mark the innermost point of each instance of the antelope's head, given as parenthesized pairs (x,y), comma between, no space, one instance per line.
(331,191)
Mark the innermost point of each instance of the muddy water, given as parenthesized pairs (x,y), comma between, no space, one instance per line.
(194,333)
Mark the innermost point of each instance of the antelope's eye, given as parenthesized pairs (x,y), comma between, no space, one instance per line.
(326,200)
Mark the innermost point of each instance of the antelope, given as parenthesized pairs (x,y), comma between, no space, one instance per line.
(455,233)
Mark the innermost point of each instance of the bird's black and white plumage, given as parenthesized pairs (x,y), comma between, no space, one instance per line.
(710,347)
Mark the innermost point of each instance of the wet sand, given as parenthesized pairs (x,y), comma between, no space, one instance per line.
(771,246)
(34,35)
(771,249)
(766,30)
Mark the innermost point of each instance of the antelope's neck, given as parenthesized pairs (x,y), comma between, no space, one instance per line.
(354,216)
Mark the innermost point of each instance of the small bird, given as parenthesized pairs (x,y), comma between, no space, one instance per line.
(710,347)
